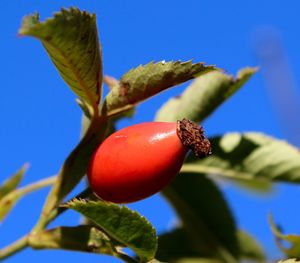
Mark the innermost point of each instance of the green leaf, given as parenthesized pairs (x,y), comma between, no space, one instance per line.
(259,186)
(71,40)
(7,203)
(249,156)
(203,96)
(9,196)
(86,109)
(145,81)
(75,166)
(294,240)
(205,215)
(13,182)
(176,246)
(9,200)
(250,248)
(80,238)
(120,223)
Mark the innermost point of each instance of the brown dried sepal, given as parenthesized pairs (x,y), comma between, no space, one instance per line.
(192,136)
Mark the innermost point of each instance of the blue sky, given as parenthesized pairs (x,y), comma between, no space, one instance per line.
(41,121)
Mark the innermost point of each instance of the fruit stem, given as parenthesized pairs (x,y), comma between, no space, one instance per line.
(192,136)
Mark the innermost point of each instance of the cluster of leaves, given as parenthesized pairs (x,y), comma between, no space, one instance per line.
(207,232)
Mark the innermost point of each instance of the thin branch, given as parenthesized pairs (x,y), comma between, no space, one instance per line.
(35,186)
(22,242)
(14,247)
(20,192)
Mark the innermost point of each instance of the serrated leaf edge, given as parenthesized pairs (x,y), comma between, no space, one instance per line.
(39,23)
(79,201)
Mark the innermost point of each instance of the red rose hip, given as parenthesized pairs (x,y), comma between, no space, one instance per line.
(138,161)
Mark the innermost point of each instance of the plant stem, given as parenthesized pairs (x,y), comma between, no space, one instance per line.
(13,248)
(44,221)
(36,185)
(29,188)
(72,170)
(59,210)
(22,242)
(18,193)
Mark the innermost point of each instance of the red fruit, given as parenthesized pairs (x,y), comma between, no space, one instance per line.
(138,161)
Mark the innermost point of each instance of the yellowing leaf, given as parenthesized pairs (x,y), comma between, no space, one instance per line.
(12,182)
(9,197)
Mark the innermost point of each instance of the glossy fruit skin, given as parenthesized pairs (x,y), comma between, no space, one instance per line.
(136,162)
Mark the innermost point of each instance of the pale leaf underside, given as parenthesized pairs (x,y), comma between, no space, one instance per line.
(71,40)
(203,96)
(249,156)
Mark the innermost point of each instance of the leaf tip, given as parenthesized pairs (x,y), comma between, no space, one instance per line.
(247,72)
(274,227)
(28,22)
(73,202)
(26,166)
